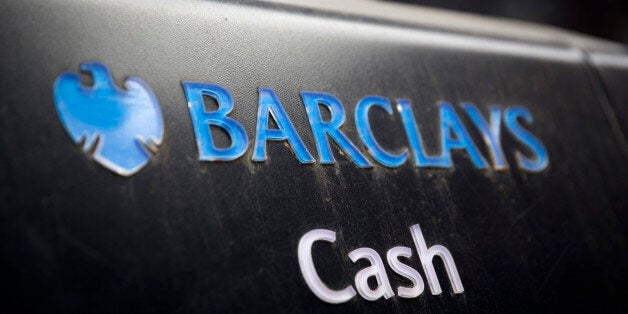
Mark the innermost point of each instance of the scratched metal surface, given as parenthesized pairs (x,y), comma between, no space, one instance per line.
(188,236)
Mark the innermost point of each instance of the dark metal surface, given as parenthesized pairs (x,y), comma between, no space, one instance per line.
(189,236)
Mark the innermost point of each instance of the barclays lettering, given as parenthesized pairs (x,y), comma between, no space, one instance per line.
(123,128)
(453,134)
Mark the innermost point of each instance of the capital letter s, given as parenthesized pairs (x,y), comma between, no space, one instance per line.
(540,159)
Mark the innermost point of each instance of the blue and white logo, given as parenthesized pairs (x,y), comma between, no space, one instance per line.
(121,127)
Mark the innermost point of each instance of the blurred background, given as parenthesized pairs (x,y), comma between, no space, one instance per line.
(601,18)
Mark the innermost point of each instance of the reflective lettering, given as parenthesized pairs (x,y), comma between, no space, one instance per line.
(366,134)
(202,119)
(421,159)
(376,269)
(490,134)
(523,136)
(450,122)
(392,256)
(427,255)
(321,129)
(309,271)
(269,103)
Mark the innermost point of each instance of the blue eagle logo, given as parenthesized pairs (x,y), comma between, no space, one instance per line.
(121,128)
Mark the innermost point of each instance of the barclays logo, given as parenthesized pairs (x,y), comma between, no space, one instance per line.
(122,128)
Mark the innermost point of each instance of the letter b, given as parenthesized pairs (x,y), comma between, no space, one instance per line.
(203,119)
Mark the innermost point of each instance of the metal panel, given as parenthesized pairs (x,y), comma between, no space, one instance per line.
(183,235)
